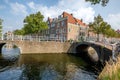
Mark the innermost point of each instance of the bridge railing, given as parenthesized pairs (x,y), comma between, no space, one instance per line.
(91,39)
(37,38)
(61,39)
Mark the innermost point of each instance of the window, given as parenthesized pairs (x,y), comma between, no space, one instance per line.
(53,25)
(69,30)
(60,30)
(52,31)
(82,33)
(80,28)
(63,23)
(58,25)
(57,31)
(64,30)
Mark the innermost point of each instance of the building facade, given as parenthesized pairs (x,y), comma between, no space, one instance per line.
(66,27)
(8,35)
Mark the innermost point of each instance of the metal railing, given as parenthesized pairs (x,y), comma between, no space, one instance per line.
(35,38)
(61,39)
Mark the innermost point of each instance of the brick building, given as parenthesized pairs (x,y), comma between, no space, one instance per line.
(118,31)
(66,27)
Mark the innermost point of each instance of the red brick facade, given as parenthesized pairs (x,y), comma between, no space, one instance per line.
(66,27)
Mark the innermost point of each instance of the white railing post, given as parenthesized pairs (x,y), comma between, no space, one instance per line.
(20,37)
(113,51)
(30,37)
(12,37)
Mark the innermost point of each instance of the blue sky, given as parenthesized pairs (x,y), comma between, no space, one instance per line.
(13,12)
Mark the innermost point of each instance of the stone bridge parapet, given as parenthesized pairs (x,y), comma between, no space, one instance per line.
(29,47)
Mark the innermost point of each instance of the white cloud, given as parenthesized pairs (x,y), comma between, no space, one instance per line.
(31,5)
(114,20)
(18,9)
(79,8)
(2,6)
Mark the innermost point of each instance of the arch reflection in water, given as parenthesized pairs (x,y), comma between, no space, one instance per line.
(10,52)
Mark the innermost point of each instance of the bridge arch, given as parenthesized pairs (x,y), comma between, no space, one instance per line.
(1,45)
(92,52)
(12,45)
(88,52)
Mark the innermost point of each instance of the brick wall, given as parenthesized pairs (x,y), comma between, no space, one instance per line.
(73,31)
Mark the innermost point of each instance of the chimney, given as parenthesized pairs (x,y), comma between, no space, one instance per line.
(71,14)
(81,20)
(48,18)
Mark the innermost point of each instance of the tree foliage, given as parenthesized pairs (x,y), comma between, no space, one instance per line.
(99,26)
(34,23)
(102,2)
(104,27)
(18,32)
(1,21)
(96,25)
(111,33)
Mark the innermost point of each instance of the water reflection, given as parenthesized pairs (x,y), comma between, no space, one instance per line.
(48,67)
(8,57)
(75,73)
(54,67)
(51,74)
(10,52)
(13,73)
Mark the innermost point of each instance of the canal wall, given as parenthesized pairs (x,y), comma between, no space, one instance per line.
(43,47)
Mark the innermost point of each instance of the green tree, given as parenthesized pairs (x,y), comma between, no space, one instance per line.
(18,32)
(104,27)
(1,28)
(99,26)
(102,2)
(111,33)
(34,23)
(117,34)
(96,25)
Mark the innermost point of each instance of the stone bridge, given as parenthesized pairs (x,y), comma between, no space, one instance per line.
(32,47)
(91,51)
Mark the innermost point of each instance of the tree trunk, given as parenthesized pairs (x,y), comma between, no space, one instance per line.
(98,37)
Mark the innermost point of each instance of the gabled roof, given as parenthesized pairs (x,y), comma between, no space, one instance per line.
(50,19)
(72,19)
(80,22)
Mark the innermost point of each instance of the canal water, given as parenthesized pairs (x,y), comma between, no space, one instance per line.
(14,66)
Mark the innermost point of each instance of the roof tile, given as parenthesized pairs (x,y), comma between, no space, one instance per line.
(72,19)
